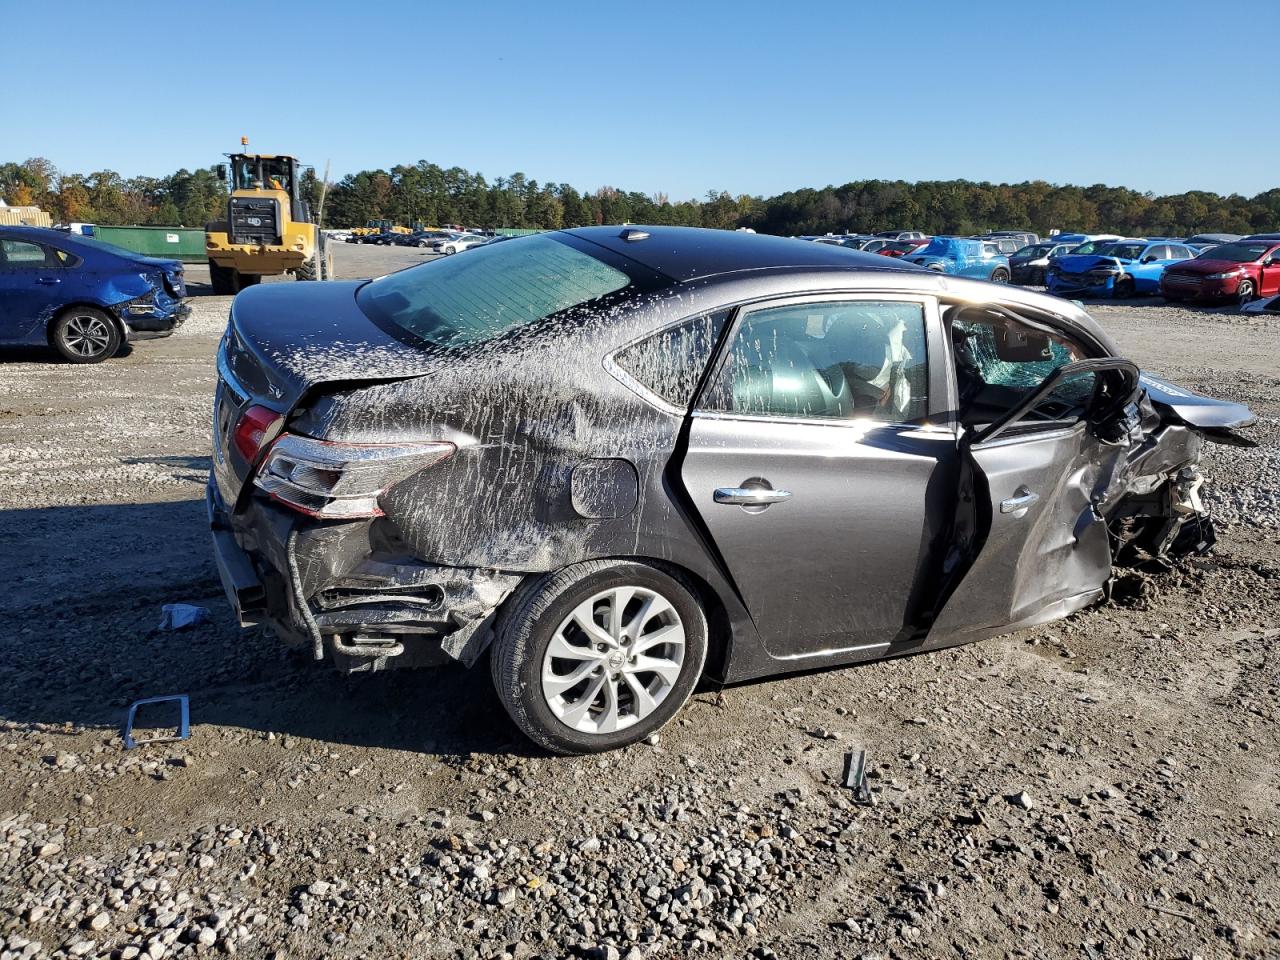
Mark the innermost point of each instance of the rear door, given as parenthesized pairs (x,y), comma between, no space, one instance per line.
(1034,545)
(810,469)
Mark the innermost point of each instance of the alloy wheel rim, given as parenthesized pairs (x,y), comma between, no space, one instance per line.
(1246,292)
(613,660)
(86,336)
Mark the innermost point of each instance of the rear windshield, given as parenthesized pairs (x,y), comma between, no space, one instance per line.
(489,291)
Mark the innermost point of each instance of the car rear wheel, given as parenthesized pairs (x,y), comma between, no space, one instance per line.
(85,335)
(1244,292)
(599,655)
(999,275)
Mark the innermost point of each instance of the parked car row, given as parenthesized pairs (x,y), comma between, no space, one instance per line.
(1209,267)
(1121,268)
(441,241)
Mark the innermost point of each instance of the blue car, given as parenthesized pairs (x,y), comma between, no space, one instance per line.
(83,297)
(1122,268)
(979,259)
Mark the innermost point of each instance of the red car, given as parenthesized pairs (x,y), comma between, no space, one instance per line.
(900,248)
(1239,271)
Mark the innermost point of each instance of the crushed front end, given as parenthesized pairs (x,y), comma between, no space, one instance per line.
(1154,506)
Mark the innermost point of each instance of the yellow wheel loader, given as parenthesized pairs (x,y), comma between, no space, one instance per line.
(268,230)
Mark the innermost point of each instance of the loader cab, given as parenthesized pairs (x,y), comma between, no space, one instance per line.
(252,174)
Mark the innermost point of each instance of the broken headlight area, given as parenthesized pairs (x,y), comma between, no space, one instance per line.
(1160,518)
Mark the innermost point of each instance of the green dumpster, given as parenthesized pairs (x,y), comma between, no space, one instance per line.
(173,243)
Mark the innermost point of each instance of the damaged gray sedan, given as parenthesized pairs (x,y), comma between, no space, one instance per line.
(620,460)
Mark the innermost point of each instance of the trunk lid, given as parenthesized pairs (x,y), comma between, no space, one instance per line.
(287,339)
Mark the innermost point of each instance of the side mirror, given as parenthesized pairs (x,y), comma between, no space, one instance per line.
(1149,258)
(222,171)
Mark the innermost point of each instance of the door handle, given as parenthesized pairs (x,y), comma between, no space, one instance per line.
(48,281)
(751,496)
(1019,502)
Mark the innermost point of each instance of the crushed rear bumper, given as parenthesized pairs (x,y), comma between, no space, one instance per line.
(343,590)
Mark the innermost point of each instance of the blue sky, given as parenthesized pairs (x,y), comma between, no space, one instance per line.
(674,97)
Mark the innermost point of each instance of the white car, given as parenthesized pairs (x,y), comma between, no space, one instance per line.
(459,242)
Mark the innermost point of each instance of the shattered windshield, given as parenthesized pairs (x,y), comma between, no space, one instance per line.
(1090,247)
(456,301)
(1123,251)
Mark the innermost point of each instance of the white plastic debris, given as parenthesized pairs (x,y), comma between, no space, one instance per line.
(180,616)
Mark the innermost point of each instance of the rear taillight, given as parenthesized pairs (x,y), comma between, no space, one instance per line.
(341,481)
(256,426)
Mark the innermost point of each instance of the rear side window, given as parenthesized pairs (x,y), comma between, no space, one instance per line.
(457,301)
(20,253)
(670,363)
(843,360)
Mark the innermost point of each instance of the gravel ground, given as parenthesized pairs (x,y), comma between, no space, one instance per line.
(1103,787)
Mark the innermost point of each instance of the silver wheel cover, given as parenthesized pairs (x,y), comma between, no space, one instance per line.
(86,336)
(613,660)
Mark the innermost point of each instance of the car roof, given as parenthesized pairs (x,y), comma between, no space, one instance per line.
(73,241)
(35,234)
(1269,237)
(690,253)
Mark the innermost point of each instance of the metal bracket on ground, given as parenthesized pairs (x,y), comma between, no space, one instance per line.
(184,721)
(855,776)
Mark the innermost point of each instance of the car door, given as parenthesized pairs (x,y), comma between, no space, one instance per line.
(1037,453)
(1150,264)
(815,479)
(1269,274)
(30,280)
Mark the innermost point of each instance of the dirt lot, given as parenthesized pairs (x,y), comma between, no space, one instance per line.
(1103,787)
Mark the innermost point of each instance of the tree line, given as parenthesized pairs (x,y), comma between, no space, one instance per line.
(427,193)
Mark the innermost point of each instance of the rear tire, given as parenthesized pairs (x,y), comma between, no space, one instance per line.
(222,279)
(615,701)
(317,267)
(999,275)
(85,335)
